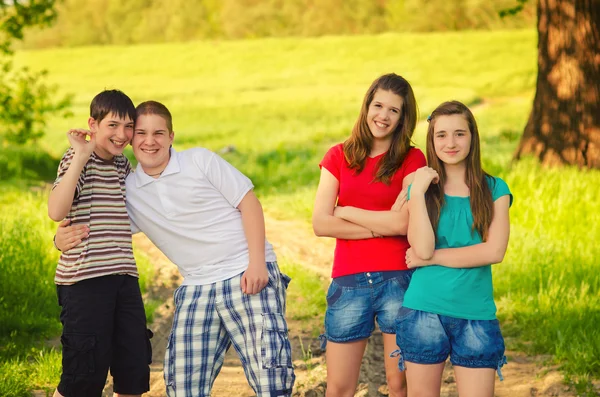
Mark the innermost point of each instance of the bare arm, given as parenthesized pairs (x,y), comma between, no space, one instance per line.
(386,223)
(420,231)
(482,254)
(256,277)
(61,197)
(324,223)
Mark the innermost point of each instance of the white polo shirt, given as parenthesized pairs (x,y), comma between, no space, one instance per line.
(190,213)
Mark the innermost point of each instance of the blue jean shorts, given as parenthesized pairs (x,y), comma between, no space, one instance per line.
(354,302)
(428,338)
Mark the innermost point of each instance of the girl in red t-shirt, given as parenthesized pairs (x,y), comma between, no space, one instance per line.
(360,201)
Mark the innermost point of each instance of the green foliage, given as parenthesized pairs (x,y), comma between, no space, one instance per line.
(26,163)
(89,22)
(25,103)
(17,15)
(512,11)
(25,100)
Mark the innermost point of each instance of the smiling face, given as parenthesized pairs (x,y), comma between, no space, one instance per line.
(383,116)
(113,134)
(452,138)
(151,143)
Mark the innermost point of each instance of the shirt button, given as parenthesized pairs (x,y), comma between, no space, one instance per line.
(370,281)
(368,274)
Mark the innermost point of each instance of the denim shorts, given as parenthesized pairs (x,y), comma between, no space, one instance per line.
(354,302)
(428,338)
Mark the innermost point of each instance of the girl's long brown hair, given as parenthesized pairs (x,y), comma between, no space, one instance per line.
(358,146)
(482,205)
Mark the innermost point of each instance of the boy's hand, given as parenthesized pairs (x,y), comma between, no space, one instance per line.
(400,200)
(68,237)
(78,142)
(254,279)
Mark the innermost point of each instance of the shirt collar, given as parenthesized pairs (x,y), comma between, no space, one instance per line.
(173,167)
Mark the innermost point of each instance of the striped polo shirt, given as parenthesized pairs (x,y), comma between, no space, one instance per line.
(99,202)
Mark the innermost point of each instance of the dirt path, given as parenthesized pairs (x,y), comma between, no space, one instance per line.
(524,376)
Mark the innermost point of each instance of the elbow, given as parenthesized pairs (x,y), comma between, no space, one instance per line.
(318,227)
(319,230)
(55,215)
(424,253)
(498,256)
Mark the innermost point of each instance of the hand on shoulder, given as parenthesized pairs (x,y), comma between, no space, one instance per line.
(424,177)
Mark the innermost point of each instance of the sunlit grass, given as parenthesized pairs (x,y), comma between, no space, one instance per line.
(276,106)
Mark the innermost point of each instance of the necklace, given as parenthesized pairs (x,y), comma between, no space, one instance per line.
(156,174)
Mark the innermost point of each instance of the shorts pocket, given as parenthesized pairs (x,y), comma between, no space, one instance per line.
(285,280)
(149,335)
(169,362)
(78,353)
(334,293)
(275,345)
(404,313)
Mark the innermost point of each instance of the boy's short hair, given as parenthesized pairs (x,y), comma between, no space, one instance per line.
(157,108)
(112,101)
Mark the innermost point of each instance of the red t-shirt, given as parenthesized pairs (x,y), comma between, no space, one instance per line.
(359,190)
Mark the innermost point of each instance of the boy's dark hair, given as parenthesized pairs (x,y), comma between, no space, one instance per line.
(157,108)
(112,101)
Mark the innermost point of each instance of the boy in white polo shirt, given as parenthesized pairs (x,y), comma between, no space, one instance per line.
(202,213)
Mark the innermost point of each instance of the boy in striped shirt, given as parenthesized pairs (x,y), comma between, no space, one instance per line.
(104,324)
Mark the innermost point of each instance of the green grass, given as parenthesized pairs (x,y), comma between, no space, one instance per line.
(261,94)
(305,295)
(29,311)
(280,103)
(548,288)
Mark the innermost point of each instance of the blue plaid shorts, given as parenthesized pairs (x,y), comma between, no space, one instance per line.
(210,318)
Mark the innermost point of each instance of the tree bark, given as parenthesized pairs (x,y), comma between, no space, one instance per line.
(564,124)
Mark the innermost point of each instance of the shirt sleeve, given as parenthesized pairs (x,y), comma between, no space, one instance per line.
(64,165)
(227,179)
(134,228)
(333,160)
(414,160)
(499,189)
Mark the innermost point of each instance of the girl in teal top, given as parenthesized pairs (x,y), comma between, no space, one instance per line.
(458,227)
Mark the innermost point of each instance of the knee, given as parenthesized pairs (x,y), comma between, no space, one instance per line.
(397,385)
(339,390)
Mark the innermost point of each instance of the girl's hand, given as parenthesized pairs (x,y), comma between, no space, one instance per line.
(424,177)
(413,261)
(82,147)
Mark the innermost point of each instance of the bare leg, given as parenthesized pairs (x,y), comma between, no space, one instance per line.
(424,380)
(475,382)
(343,367)
(396,379)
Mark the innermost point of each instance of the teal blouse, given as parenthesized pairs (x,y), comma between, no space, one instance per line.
(460,293)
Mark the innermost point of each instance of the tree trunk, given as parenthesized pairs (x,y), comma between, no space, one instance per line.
(564,124)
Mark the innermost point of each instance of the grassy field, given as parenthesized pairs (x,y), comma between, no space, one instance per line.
(276,105)
(29,311)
